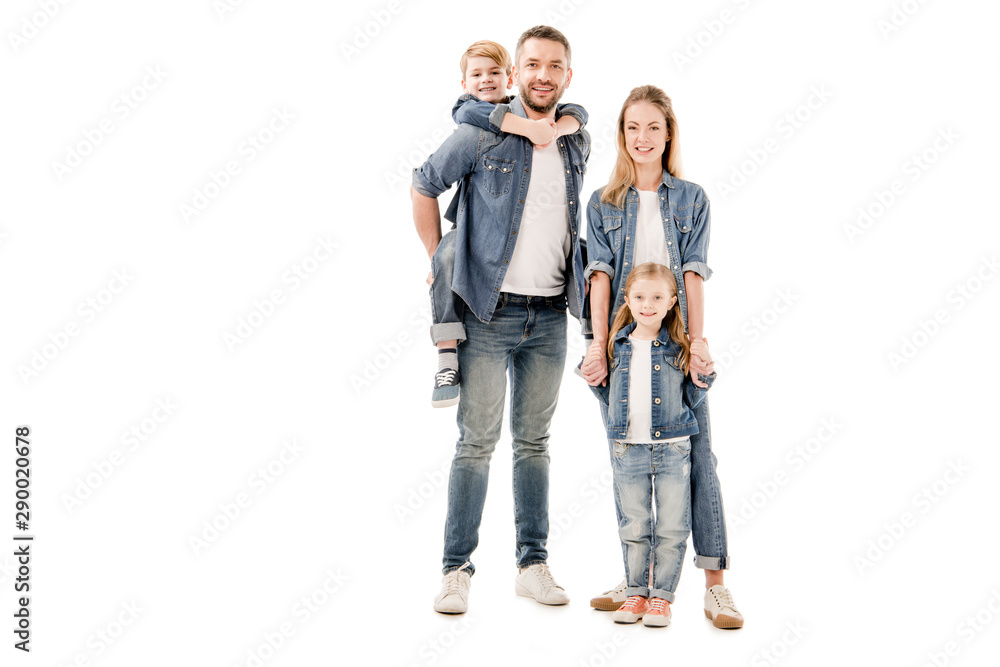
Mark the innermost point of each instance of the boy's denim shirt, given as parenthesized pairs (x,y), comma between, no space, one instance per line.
(674,396)
(611,236)
(496,168)
(470,109)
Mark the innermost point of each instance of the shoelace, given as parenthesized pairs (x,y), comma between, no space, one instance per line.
(446,375)
(546,577)
(658,605)
(451,584)
(620,588)
(632,602)
(725,599)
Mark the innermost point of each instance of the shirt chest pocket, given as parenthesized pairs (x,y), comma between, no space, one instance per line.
(497,175)
(613,231)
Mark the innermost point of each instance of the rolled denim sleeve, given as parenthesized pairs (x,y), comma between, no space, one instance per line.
(453,159)
(574,110)
(599,255)
(694,245)
(479,113)
(693,394)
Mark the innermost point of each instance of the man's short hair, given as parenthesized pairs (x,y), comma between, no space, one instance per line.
(488,49)
(542,32)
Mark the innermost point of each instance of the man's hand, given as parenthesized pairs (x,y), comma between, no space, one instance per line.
(543,132)
(430,277)
(701,361)
(595,364)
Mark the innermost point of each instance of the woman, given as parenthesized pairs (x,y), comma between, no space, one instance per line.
(646,213)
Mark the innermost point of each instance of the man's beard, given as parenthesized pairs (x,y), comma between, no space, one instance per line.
(526,100)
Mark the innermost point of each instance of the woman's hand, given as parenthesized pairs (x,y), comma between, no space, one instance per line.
(701,361)
(595,365)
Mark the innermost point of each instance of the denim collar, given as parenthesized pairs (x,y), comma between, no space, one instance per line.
(664,336)
(667,180)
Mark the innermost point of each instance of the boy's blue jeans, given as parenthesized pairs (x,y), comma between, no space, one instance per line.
(446,306)
(525,341)
(648,476)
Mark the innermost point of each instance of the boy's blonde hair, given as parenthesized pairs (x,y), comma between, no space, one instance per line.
(487,49)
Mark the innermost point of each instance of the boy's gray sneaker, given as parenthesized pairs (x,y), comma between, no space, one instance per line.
(447,384)
(454,595)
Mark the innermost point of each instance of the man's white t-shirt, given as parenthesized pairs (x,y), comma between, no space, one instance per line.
(640,396)
(538,264)
(650,241)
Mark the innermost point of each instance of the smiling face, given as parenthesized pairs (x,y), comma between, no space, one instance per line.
(649,300)
(542,74)
(485,79)
(645,133)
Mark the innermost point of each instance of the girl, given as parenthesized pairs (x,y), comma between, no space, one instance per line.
(650,416)
(645,213)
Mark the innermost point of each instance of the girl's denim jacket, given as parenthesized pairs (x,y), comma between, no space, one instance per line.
(674,396)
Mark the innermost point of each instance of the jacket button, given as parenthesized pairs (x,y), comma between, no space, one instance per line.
(656,400)
(657,434)
(656,343)
(489,166)
(656,368)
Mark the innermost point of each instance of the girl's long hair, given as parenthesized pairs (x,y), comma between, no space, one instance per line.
(675,323)
(623,176)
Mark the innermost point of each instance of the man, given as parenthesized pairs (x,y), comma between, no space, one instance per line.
(518,267)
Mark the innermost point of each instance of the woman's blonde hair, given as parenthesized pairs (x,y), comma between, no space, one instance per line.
(623,176)
(675,323)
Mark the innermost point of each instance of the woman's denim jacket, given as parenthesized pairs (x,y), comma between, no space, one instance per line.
(674,396)
(684,210)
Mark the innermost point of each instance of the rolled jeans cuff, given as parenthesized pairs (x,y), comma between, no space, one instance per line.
(637,590)
(447,331)
(660,593)
(712,562)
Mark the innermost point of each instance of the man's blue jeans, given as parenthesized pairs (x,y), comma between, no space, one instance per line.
(525,341)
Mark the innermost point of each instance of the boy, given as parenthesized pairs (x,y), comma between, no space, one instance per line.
(486,78)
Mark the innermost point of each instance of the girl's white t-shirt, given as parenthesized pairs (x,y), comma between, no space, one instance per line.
(640,391)
(650,241)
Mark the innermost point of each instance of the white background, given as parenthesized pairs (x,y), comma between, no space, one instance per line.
(354,520)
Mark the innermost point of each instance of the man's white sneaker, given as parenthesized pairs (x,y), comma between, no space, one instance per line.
(535,581)
(720,608)
(454,595)
(611,600)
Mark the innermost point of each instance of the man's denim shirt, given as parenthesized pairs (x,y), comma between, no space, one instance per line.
(489,116)
(497,168)
(611,236)
(674,396)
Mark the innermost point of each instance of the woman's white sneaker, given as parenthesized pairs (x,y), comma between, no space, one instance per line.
(720,608)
